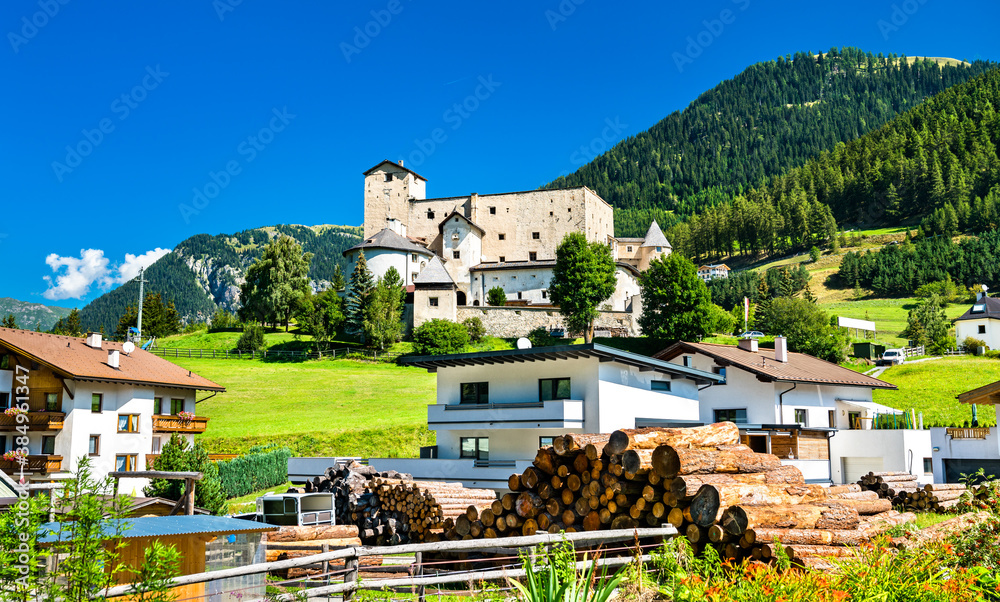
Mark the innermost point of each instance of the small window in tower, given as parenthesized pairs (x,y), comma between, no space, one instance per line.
(388,177)
(569,209)
(551,214)
(502,259)
(455,254)
(502,236)
(433,301)
(518,294)
(430,214)
(413,256)
(536,236)
(659,249)
(532,256)
(413,276)
(493,210)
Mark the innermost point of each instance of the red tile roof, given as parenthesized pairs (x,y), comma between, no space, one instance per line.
(800,367)
(72,358)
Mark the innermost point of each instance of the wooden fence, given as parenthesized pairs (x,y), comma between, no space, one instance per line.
(275,354)
(913,351)
(507,547)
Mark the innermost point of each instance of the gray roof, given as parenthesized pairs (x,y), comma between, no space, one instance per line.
(561,352)
(434,273)
(655,237)
(987,307)
(396,165)
(387,239)
(162,526)
(457,213)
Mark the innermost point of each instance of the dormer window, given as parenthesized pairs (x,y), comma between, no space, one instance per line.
(979,308)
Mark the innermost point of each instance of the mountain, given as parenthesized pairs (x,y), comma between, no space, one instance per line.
(30,315)
(773,116)
(203,273)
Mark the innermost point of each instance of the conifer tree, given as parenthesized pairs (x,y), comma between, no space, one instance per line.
(358,295)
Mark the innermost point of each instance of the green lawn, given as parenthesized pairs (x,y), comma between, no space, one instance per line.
(248,503)
(889,315)
(317,408)
(227,340)
(931,387)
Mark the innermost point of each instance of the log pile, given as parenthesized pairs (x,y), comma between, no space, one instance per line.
(714,490)
(893,486)
(902,489)
(301,541)
(390,508)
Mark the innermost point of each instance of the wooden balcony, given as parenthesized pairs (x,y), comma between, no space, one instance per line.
(979,432)
(173,424)
(36,464)
(37,421)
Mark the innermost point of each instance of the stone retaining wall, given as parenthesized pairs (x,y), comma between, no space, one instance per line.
(510,322)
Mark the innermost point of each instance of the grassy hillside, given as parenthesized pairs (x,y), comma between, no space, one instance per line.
(889,315)
(317,408)
(931,387)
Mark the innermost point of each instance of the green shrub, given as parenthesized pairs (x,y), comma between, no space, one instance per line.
(814,254)
(540,337)
(496,297)
(475,327)
(972,344)
(178,456)
(260,468)
(252,338)
(222,321)
(440,337)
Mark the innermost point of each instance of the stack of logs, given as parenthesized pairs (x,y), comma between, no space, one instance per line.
(390,508)
(715,490)
(891,486)
(300,541)
(934,497)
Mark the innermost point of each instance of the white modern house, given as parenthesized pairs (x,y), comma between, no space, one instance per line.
(495,409)
(811,413)
(88,398)
(964,450)
(981,321)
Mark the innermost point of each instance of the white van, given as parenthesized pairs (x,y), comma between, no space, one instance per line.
(892,357)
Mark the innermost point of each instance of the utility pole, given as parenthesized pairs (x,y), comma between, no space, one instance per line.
(138,325)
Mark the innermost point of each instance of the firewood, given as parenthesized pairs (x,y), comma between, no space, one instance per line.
(670,462)
(721,433)
(737,519)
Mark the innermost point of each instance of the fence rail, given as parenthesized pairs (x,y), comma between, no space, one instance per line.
(913,351)
(352,556)
(279,354)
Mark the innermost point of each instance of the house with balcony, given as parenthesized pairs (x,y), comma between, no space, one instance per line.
(712,271)
(812,414)
(495,409)
(74,397)
(966,449)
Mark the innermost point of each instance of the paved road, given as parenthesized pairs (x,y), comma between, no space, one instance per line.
(877,372)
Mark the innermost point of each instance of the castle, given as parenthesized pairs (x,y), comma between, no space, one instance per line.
(451,251)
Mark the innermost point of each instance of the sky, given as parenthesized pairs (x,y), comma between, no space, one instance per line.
(130,128)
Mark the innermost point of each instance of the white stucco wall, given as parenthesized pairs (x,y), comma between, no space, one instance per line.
(530,282)
(380,260)
(970,328)
(458,235)
(962,449)
(901,450)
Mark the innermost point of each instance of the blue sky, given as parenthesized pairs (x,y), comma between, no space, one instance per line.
(118,117)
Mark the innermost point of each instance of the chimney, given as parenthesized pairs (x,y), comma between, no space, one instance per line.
(113,358)
(781,349)
(980,295)
(94,340)
(400,162)
(748,345)
(473,203)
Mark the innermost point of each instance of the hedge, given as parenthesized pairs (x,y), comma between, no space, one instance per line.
(260,468)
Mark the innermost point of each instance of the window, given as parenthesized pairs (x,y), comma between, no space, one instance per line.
(660,385)
(475,393)
(518,294)
(97,402)
(545,441)
(430,214)
(4,401)
(388,177)
(128,423)
(51,402)
(928,465)
(456,254)
(176,406)
(94,446)
(3,444)
(659,249)
(413,257)
(545,294)
(413,275)
(157,445)
(477,448)
(721,371)
(502,259)
(158,405)
(854,419)
(800,417)
(738,416)
(493,211)
(48,445)
(553,388)
(536,236)
(433,301)
(833,419)
(687,361)
(551,214)
(569,210)
(982,329)
(532,256)
(628,249)
(125,462)
(502,236)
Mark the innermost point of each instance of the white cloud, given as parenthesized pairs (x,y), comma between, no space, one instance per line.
(73,276)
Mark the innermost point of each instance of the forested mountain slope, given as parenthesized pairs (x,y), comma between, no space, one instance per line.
(31,315)
(204,272)
(771,117)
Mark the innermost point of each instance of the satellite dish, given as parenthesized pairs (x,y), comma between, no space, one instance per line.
(523,343)
(985,288)
(128,347)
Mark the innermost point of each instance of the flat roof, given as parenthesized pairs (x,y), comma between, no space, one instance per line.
(164,526)
(560,352)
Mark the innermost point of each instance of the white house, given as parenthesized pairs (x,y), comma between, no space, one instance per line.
(981,321)
(388,249)
(495,409)
(711,272)
(813,414)
(958,450)
(87,398)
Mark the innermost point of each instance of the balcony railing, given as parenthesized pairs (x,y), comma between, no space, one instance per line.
(979,432)
(557,413)
(39,464)
(493,406)
(37,421)
(174,424)
(150,458)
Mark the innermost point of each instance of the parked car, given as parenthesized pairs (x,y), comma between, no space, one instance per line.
(891,357)
(752,334)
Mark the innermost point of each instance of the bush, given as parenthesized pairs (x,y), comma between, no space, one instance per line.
(540,337)
(222,320)
(178,456)
(440,337)
(260,468)
(721,321)
(972,344)
(814,254)
(476,329)
(496,297)
(252,338)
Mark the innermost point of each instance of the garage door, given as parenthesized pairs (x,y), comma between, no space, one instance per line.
(855,468)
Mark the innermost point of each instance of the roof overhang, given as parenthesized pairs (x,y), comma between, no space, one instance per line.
(396,165)
(562,352)
(984,395)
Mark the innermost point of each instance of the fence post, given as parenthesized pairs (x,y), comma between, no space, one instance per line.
(351,575)
(326,563)
(418,560)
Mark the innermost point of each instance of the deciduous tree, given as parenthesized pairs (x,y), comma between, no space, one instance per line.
(675,302)
(583,278)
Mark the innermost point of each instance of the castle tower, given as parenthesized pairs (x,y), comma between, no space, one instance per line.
(388,189)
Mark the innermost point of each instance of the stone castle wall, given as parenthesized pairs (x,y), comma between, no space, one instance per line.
(511,322)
